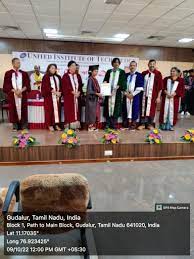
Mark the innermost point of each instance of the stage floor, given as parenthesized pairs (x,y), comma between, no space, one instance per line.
(45,138)
(132,147)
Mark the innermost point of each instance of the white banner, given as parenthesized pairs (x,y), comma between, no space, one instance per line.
(29,59)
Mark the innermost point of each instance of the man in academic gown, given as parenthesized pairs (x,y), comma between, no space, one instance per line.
(16,85)
(153,86)
(36,78)
(113,104)
(132,96)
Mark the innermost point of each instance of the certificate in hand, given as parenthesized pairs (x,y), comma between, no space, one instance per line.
(105,89)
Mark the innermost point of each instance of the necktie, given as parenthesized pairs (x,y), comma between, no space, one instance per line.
(129,81)
(16,78)
(131,77)
(147,85)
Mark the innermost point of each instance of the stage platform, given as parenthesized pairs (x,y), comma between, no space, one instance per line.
(132,147)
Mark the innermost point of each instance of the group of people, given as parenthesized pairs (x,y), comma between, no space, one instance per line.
(17,84)
(134,96)
(187,104)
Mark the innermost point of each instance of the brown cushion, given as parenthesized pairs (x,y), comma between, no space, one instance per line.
(58,192)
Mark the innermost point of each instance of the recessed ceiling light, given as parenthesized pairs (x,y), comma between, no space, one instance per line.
(50,31)
(185,40)
(55,36)
(121,36)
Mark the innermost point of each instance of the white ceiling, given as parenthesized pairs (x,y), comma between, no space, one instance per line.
(173,19)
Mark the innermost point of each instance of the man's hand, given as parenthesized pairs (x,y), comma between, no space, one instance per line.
(167,94)
(173,95)
(130,96)
(77,95)
(113,93)
(19,93)
(58,94)
(99,95)
(158,100)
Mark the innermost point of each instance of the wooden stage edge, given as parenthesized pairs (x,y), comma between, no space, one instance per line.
(129,159)
(91,153)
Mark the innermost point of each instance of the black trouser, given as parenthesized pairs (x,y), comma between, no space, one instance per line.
(19,126)
(147,121)
(185,102)
(111,122)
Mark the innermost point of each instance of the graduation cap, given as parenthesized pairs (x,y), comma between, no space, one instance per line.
(93,67)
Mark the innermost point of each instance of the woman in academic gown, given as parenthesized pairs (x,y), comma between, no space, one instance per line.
(93,97)
(171,94)
(51,91)
(72,91)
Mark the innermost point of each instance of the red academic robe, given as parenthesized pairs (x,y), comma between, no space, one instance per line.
(71,112)
(175,102)
(8,87)
(48,100)
(157,87)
